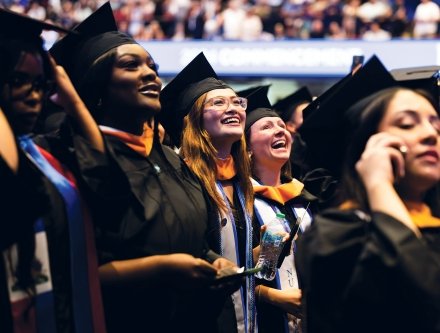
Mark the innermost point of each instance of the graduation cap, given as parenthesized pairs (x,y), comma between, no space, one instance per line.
(258,105)
(287,105)
(425,77)
(96,35)
(257,97)
(180,94)
(324,128)
(22,27)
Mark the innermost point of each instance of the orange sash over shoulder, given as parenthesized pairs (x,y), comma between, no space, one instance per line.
(282,193)
(422,216)
(141,144)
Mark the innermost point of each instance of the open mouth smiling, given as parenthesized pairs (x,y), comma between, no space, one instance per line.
(279,144)
(150,90)
(231,120)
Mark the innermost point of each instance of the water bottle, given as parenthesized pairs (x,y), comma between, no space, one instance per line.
(271,246)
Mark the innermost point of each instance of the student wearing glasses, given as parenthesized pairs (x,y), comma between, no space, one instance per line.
(48,276)
(211,137)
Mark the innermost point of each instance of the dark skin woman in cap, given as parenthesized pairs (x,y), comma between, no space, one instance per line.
(50,275)
(155,267)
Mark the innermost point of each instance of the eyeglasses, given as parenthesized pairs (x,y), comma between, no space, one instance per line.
(19,80)
(222,103)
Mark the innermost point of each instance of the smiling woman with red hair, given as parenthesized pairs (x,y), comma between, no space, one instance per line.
(205,116)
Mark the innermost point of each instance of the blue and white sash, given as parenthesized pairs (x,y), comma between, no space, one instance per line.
(245,315)
(82,310)
(286,276)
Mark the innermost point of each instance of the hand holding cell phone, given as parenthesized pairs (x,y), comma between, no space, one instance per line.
(382,159)
(228,274)
(357,63)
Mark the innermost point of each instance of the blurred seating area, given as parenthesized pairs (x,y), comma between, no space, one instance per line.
(250,20)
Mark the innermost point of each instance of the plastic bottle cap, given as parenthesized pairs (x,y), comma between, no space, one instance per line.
(281,215)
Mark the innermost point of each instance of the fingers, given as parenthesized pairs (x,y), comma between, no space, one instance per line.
(382,148)
(52,60)
(206,268)
(398,163)
(384,139)
(263,230)
(56,69)
(227,287)
(403,150)
(222,263)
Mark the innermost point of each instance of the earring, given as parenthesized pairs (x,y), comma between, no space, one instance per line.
(99,104)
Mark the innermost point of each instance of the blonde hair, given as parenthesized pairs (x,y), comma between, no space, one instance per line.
(198,150)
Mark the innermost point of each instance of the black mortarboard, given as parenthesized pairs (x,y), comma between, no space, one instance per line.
(323,130)
(287,105)
(426,77)
(17,26)
(257,97)
(180,94)
(258,105)
(96,35)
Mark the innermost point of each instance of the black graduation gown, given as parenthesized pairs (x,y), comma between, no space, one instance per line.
(100,179)
(166,213)
(364,273)
(22,200)
(319,182)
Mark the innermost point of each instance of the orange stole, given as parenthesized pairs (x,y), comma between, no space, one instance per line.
(282,193)
(141,144)
(420,214)
(422,217)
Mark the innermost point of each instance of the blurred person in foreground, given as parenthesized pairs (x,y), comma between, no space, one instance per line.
(372,262)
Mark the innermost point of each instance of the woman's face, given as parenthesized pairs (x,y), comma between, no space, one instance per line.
(134,83)
(23,94)
(270,142)
(224,124)
(412,118)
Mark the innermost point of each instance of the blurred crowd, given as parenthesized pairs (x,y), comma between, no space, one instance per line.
(250,20)
(128,205)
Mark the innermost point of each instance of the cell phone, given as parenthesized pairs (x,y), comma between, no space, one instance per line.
(295,227)
(227,275)
(401,150)
(357,62)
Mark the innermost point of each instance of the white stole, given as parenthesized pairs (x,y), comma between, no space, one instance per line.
(229,250)
(286,276)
